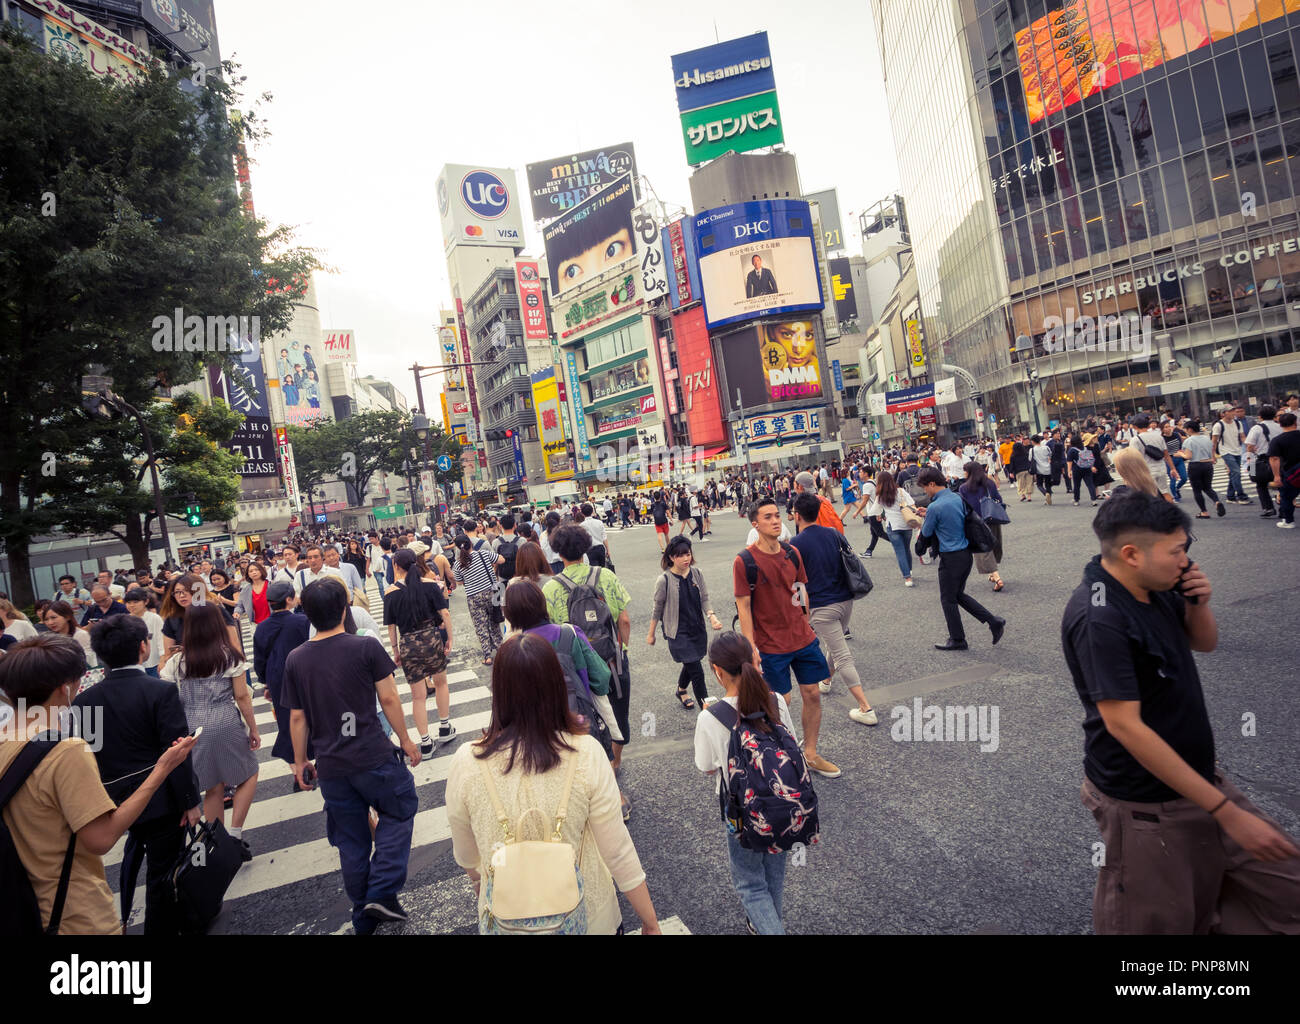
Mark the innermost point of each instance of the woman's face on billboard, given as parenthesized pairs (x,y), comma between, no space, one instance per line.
(798,341)
(608,253)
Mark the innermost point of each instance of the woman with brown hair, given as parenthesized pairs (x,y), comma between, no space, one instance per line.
(530,565)
(1132,467)
(183,592)
(534,752)
(253,603)
(213,680)
(759,876)
(61,619)
(977,487)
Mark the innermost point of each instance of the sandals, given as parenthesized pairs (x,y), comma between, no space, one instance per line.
(687,702)
(1202,515)
(999,585)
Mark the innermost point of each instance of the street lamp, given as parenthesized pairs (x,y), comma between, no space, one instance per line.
(1024,348)
(420,424)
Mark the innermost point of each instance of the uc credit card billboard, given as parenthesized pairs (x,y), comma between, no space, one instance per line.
(479,206)
(757,259)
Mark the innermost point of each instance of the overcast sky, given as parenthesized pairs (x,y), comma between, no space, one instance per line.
(369,101)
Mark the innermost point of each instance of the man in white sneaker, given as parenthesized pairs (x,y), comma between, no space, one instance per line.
(830,601)
(1229,444)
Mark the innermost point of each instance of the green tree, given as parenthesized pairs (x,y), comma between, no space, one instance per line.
(118,206)
(107,488)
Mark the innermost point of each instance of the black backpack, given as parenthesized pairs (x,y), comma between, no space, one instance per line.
(20,912)
(507,549)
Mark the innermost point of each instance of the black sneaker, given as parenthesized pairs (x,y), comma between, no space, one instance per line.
(445,737)
(385,910)
(245,851)
(426,747)
(1269,514)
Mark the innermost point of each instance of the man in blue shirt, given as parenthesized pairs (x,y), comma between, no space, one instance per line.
(830,601)
(945,517)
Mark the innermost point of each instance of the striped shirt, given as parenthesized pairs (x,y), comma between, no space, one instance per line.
(481,574)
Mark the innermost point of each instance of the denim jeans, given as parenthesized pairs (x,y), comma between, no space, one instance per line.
(901,539)
(367,876)
(759,879)
(1180,467)
(1233,462)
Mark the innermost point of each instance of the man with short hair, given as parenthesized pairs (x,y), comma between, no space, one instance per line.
(954,465)
(1229,443)
(375,556)
(351,577)
(1162,467)
(830,601)
(314,570)
(1258,466)
(805,484)
(68,592)
(1283,457)
(102,605)
(1040,456)
(139,719)
(275,638)
(945,518)
(332,679)
(290,568)
(1186,851)
(773,615)
(105,579)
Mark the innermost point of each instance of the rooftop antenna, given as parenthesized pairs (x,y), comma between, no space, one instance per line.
(716,37)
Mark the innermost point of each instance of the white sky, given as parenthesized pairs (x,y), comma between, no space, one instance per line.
(370,100)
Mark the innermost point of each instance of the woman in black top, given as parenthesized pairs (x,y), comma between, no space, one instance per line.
(976,488)
(356,558)
(181,593)
(1020,471)
(419,632)
(223,592)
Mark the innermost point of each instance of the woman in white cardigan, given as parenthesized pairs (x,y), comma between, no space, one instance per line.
(530,748)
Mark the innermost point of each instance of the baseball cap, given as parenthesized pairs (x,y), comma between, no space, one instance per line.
(279,591)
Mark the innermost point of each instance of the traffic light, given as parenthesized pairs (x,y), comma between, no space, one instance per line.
(509,434)
(193,515)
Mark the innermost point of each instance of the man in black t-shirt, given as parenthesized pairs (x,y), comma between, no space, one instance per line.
(329,686)
(1184,851)
(1283,457)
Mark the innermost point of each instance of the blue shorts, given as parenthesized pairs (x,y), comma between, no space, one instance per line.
(809,666)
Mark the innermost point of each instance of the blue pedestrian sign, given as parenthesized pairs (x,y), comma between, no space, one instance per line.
(444,463)
(875,435)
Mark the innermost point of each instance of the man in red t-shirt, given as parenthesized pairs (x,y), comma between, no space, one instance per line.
(774,618)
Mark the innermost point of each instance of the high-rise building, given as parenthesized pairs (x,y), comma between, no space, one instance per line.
(1100,196)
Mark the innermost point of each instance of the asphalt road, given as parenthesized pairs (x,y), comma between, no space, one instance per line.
(917,837)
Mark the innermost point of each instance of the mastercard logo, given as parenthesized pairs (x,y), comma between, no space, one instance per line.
(473,231)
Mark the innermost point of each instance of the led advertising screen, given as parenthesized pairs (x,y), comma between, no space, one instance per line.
(592,238)
(698,380)
(772,363)
(757,259)
(1088,45)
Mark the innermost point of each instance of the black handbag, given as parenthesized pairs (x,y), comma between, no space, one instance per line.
(203,873)
(859,581)
(978,535)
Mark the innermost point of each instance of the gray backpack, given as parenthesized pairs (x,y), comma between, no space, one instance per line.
(589,612)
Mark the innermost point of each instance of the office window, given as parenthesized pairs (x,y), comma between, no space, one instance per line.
(1207,101)
(1281,63)
(1139,126)
(1074,227)
(1113,213)
(1134,214)
(1250,182)
(1093,222)
(1236,105)
(1273,165)
(1178,209)
(1198,187)
(1160,114)
(1056,235)
(1223,181)
(1185,115)
(1153,201)
(1009,253)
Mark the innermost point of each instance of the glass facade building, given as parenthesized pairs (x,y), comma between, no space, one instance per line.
(1120,172)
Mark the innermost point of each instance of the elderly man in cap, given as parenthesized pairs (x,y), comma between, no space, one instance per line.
(275,637)
(806,483)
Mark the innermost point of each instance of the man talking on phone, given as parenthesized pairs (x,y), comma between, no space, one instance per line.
(1185,852)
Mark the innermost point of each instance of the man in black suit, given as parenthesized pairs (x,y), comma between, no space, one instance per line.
(760,280)
(134,718)
(275,638)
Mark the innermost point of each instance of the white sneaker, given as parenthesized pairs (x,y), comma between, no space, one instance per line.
(1285,526)
(864,717)
(824,686)
(908,583)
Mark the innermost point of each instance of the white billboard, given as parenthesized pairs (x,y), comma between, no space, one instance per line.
(479,206)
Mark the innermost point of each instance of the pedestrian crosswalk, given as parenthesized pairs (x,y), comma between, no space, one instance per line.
(286,829)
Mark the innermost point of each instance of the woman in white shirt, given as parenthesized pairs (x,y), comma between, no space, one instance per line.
(533,750)
(137,603)
(892,500)
(759,876)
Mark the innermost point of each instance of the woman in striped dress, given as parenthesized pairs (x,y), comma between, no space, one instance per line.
(476,571)
(212,677)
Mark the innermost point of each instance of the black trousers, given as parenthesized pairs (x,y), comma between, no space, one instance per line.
(1082,477)
(692,675)
(158,843)
(1265,497)
(954,569)
(1201,476)
(877,532)
(620,697)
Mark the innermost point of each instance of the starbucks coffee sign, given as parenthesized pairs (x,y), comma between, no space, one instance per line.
(1154,277)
